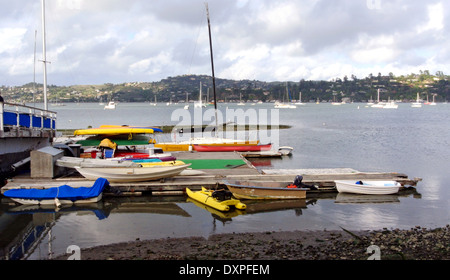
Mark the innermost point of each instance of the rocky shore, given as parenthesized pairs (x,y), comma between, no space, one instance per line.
(414,244)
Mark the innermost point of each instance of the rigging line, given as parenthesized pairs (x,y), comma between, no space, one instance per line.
(196,43)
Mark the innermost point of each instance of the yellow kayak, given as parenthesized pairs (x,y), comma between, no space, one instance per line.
(162,163)
(113,129)
(213,200)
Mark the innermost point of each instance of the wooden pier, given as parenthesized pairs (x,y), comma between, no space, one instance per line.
(213,176)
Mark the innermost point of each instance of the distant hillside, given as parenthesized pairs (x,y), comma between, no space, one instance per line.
(177,89)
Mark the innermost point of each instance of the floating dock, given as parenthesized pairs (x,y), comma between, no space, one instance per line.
(216,167)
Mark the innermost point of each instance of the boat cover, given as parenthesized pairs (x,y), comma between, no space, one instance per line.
(63,192)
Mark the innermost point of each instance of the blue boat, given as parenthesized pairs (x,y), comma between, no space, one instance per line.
(59,195)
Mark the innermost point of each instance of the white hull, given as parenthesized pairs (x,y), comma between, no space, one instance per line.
(285,106)
(369,187)
(72,162)
(378,105)
(57,202)
(285,150)
(390,105)
(124,174)
(111,106)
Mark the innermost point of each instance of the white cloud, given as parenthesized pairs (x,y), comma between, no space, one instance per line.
(435,18)
(11,38)
(118,41)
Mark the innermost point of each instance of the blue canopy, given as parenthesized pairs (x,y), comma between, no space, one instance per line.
(63,192)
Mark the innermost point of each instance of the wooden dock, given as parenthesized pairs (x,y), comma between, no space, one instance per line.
(213,177)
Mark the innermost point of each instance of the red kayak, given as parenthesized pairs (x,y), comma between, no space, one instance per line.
(216,148)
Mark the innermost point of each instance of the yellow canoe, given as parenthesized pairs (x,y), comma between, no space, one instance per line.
(206,197)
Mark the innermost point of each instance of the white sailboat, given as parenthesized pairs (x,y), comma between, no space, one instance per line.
(285,105)
(153,103)
(379,104)
(370,101)
(186,107)
(240,100)
(433,103)
(416,104)
(299,102)
(199,103)
(110,106)
(390,105)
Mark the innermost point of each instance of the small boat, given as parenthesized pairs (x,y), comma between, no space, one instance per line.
(220,148)
(59,195)
(417,104)
(390,105)
(129,174)
(111,105)
(266,190)
(284,106)
(367,187)
(217,199)
(285,150)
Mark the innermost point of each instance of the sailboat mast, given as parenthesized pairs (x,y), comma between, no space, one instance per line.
(44,54)
(34,69)
(212,66)
(200,94)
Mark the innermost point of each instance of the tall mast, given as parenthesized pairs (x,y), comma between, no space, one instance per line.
(34,69)
(44,54)
(212,67)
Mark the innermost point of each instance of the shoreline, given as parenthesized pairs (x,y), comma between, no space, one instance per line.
(414,244)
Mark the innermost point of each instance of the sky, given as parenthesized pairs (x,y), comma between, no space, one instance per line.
(117,41)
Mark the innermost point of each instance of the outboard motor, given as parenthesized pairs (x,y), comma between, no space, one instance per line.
(298,181)
(222,195)
(299,184)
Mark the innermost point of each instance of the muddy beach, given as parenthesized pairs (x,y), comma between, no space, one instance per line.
(414,244)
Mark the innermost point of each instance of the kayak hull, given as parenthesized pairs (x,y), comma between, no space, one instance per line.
(205,196)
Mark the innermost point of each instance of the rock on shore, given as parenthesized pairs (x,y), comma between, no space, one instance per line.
(414,244)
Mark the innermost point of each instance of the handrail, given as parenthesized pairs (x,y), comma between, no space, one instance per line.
(29,107)
(24,116)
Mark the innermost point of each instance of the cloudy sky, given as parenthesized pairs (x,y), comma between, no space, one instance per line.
(116,41)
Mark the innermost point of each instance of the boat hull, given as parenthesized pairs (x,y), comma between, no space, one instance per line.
(205,197)
(368,187)
(57,201)
(172,147)
(58,195)
(270,190)
(140,174)
(229,148)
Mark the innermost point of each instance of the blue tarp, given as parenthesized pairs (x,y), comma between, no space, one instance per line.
(63,192)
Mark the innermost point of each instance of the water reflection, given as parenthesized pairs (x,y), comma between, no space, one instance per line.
(40,232)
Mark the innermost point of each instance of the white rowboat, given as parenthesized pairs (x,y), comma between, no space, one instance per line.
(125,174)
(367,187)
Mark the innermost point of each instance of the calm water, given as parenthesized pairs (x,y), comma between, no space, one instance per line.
(414,141)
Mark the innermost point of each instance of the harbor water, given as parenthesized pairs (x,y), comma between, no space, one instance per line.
(413,141)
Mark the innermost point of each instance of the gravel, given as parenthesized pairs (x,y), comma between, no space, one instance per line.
(417,243)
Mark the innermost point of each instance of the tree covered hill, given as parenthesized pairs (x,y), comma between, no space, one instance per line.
(180,88)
